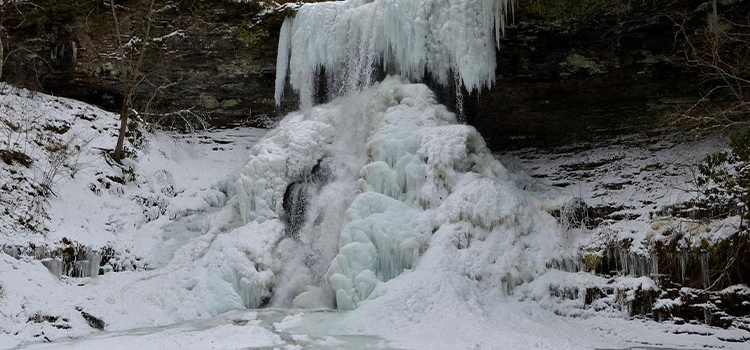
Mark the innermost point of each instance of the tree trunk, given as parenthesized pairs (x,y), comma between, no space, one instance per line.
(715,20)
(121,135)
(130,80)
(2,53)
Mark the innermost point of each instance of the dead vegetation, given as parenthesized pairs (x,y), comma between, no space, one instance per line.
(719,53)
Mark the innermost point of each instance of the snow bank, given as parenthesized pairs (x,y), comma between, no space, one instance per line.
(408,37)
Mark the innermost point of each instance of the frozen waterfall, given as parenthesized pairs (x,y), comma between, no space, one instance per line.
(402,172)
(348,40)
(403,179)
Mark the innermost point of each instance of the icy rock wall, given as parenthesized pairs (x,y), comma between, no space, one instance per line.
(349,39)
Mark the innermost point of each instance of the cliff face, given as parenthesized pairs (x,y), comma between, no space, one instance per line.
(565,71)
(577,73)
(212,56)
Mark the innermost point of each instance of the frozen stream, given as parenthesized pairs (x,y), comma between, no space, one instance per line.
(261,329)
(287,329)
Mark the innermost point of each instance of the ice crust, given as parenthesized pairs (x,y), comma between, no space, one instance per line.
(348,39)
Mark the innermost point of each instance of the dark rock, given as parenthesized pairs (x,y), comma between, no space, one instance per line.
(11,157)
(94,322)
(221,61)
(611,72)
(298,193)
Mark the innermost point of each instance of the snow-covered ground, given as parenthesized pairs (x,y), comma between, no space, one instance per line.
(177,297)
(630,181)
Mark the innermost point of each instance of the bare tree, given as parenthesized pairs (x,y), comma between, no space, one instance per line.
(14,14)
(131,69)
(720,54)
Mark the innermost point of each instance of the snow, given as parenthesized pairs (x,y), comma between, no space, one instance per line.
(418,229)
(283,157)
(407,37)
(412,229)
(639,176)
(158,220)
(180,33)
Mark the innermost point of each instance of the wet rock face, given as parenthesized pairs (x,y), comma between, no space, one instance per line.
(613,72)
(298,193)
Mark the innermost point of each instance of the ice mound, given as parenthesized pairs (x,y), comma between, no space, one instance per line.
(416,173)
(285,155)
(348,39)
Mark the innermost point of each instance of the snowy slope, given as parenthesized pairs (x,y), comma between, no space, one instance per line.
(94,201)
(94,207)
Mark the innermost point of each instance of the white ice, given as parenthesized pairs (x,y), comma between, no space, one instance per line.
(415,173)
(348,39)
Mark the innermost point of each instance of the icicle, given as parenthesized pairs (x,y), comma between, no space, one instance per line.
(624,262)
(88,267)
(683,264)
(282,58)
(707,315)
(95,261)
(40,253)
(251,292)
(348,39)
(704,269)
(655,266)
(55,266)
(626,306)
(74,52)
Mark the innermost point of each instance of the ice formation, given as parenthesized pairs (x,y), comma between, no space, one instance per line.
(401,167)
(348,39)
(403,170)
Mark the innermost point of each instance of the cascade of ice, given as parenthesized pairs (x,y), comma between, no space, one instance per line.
(404,180)
(349,39)
(88,267)
(55,266)
(403,171)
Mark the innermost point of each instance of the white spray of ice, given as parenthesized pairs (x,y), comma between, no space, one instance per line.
(349,39)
